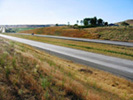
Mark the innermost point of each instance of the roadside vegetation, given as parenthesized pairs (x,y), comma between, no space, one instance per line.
(115,33)
(111,50)
(15,30)
(30,74)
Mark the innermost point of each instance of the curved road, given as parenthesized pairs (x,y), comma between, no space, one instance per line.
(118,66)
(129,44)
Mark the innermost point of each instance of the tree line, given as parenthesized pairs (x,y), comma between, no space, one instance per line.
(94,22)
(90,22)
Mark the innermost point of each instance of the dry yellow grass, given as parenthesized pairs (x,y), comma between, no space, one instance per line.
(106,33)
(62,78)
(98,79)
(63,31)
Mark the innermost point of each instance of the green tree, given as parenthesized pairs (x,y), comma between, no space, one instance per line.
(56,24)
(100,22)
(95,20)
(106,23)
(75,26)
(85,22)
(92,21)
(77,22)
(81,22)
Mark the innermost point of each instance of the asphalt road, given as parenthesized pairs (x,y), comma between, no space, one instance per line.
(129,44)
(118,66)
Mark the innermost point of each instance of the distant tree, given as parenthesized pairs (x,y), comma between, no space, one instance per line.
(81,22)
(75,26)
(85,22)
(106,23)
(95,21)
(56,24)
(124,24)
(92,21)
(68,23)
(77,22)
(100,22)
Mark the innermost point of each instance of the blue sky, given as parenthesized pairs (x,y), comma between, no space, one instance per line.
(63,11)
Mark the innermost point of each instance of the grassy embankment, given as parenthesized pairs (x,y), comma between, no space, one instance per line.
(111,50)
(27,73)
(105,33)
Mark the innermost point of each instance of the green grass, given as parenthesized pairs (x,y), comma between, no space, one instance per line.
(16,30)
(111,50)
(45,83)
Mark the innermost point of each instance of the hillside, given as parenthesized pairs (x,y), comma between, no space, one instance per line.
(130,21)
(106,33)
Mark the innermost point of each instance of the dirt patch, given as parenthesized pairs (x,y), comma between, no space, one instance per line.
(86,71)
(72,96)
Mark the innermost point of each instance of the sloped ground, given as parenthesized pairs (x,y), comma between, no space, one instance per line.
(130,21)
(23,77)
(105,33)
(29,74)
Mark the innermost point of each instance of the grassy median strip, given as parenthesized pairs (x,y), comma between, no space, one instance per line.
(111,50)
(27,73)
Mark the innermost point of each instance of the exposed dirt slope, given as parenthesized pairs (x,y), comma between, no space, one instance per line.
(106,33)
(130,21)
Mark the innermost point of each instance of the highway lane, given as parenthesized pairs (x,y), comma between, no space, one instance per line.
(118,66)
(129,44)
